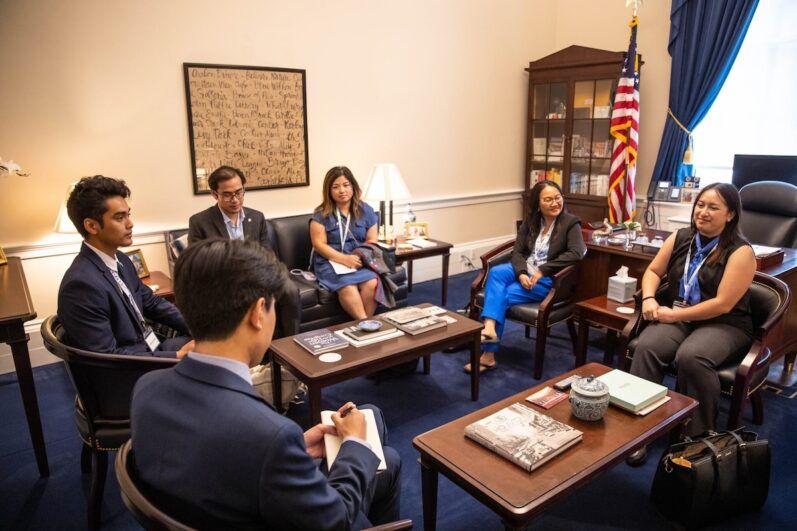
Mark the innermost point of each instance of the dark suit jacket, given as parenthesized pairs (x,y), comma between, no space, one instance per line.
(98,317)
(203,435)
(566,245)
(210,224)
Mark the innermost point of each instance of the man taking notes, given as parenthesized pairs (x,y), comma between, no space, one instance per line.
(228,219)
(218,455)
(102,303)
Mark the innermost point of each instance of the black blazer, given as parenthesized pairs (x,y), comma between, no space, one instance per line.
(566,245)
(210,224)
(96,315)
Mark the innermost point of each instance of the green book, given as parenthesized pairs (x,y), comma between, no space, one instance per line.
(630,392)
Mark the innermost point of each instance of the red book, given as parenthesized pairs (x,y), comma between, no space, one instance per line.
(547,397)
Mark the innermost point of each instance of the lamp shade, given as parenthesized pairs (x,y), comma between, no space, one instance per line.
(385,184)
(62,223)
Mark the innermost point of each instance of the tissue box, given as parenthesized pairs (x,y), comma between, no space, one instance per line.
(621,289)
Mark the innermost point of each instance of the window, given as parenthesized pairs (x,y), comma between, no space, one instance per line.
(756,109)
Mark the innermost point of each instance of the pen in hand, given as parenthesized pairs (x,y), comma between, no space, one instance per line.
(347,411)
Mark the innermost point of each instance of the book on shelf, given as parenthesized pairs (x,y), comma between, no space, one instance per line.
(524,436)
(630,392)
(547,397)
(367,341)
(319,341)
(332,442)
(358,334)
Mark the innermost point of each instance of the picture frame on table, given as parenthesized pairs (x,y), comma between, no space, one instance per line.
(416,229)
(688,195)
(137,257)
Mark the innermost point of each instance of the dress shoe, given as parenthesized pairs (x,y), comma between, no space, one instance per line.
(638,458)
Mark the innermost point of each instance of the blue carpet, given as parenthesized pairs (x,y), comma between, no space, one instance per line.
(413,404)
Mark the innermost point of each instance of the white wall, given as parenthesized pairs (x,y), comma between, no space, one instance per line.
(438,87)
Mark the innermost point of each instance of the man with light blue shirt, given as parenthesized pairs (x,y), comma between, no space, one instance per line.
(102,304)
(213,451)
(228,219)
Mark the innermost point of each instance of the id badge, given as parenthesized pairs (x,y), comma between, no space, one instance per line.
(680,304)
(152,340)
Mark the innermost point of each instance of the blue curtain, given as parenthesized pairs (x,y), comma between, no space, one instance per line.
(705,36)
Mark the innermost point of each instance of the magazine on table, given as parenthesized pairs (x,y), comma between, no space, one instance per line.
(547,397)
(319,341)
(370,341)
(359,334)
(523,435)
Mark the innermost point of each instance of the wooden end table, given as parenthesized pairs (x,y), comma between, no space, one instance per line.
(440,248)
(164,283)
(16,308)
(361,361)
(516,495)
(600,311)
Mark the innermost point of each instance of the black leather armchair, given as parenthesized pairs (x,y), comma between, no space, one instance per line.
(558,306)
(104,385)
(739,379)
(769,213)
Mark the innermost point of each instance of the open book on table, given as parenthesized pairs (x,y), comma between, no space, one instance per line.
(332,442)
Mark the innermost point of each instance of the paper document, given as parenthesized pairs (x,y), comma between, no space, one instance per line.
(420,242)
(332,442)
(341,269)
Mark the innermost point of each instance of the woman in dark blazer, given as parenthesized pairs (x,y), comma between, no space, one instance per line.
(549,240)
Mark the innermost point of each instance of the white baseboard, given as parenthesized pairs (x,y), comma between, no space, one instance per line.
(423,270)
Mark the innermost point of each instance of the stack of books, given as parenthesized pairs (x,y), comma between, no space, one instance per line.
(633,393)
(360,338)
(524,436)
(414,320)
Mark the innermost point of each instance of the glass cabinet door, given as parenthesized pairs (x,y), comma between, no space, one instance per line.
(549,110)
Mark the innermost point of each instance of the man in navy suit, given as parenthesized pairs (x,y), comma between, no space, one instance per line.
(228,219)
(102,303)
(213,453)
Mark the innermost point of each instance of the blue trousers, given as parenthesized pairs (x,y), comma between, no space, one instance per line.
(502,291)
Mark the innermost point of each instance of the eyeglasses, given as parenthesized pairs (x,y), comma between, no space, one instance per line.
(551,200)
(229,196)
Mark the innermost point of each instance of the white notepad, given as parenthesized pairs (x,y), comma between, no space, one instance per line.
(332,442)
(341,269)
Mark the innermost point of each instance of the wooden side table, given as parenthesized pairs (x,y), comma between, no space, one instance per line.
(440,248)
(600,311)
(16,308)
(164,283)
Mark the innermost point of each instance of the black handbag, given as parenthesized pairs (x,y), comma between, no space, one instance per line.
(712,478)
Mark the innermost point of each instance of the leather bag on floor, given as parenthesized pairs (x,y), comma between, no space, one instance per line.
(712,478)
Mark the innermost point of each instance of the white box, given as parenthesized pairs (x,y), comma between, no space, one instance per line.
(621,289)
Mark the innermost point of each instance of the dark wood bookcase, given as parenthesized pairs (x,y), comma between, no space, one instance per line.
(571,93)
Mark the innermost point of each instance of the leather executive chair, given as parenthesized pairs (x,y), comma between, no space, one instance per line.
(769,213)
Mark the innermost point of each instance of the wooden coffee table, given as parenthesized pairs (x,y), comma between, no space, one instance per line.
(516,495)
(362,361)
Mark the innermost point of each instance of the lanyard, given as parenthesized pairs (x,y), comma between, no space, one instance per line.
(343,232)
(688,280)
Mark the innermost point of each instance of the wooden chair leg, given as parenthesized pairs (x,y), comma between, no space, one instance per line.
(99,464)
(571,328)
(737,401)
(539,351)
(758,407)
(85,458)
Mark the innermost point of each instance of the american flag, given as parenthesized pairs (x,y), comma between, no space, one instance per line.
(625,130)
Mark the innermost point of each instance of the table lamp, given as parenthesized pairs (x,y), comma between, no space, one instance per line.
(384,185)
(63,224)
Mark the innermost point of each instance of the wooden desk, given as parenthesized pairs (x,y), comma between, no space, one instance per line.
(516,495)
(408,255)
(601,262)
(361,361)
(164,283)
(16,308)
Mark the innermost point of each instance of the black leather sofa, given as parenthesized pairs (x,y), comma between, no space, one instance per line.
(318,307)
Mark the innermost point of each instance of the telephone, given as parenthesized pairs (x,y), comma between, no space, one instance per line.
(665,191)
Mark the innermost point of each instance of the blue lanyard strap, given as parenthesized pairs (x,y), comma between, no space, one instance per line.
(689,281)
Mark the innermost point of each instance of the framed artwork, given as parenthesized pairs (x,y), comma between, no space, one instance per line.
(250,117)
(3,259)
(688,195)
(137,257)
(416,230)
